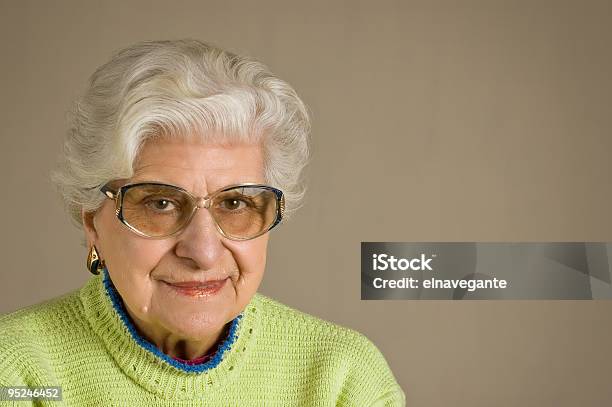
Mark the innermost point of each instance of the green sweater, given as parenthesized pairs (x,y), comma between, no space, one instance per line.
(274,355)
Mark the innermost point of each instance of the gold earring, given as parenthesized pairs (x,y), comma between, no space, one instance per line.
(94,264)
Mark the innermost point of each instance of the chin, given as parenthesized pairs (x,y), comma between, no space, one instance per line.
(197,325)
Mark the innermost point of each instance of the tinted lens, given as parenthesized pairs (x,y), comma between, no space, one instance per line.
(156,210)
(245,212)
(162,210)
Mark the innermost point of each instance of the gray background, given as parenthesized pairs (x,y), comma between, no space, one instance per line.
(433,121)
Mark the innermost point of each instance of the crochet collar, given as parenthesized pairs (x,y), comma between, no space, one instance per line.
(145,364)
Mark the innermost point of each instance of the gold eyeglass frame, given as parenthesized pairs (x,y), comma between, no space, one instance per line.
(111,191)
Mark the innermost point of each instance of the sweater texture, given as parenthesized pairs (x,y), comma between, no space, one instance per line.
(273,355)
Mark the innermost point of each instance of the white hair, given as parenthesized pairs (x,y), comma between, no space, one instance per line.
(183,88)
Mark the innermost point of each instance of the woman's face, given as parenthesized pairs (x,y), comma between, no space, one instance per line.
(147,271)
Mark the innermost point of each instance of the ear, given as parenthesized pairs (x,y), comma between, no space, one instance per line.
(91,234)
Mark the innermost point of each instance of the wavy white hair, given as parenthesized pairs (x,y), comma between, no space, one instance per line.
(182,88)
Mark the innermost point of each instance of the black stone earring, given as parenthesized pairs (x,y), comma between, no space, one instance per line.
(94,264)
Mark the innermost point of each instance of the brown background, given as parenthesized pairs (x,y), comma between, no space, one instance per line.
(454,121)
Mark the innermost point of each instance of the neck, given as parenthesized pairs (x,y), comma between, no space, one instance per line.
(177,346)
(145,363)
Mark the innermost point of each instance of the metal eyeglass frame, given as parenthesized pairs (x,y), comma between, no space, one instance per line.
(117,195)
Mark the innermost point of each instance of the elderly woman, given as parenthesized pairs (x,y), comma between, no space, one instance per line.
(180,160)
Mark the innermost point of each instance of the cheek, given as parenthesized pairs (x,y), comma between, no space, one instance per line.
(130,259)
(128,254)
(250,257)
(132,273)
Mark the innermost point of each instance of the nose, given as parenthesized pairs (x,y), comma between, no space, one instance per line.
(200,241)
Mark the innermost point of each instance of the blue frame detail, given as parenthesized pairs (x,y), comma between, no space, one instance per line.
(117,302)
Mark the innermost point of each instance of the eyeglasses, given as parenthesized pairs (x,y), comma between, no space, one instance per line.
(156,210)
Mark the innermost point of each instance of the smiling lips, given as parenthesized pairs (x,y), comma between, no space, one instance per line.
(198,288)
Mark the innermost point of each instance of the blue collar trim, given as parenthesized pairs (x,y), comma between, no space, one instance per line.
(117,302)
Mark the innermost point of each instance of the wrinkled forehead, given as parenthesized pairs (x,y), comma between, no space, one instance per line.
(197,166)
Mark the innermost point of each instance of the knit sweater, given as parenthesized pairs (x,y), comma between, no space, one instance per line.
(274,355)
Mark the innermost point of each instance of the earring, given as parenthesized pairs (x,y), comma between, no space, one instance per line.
(94,264)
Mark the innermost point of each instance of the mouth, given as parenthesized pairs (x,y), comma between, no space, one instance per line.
(197,288)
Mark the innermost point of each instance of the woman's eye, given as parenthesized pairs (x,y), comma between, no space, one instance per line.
(163,205)
(233,204)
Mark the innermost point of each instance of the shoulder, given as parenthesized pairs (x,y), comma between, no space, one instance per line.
(354,358)
(283,318)
(28,320)
(28,334)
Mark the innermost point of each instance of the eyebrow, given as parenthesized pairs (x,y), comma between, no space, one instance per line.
(209,191)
